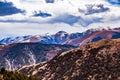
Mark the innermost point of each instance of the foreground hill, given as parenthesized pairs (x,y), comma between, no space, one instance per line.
(95,61)
(13,56)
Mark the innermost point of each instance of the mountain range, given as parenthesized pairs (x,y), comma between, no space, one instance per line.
(62,37)
(27,50)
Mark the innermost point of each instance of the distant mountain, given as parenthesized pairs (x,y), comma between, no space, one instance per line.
(59,38)
(11,40)
(62,37)
(94,35)
(94,61)
(13,56)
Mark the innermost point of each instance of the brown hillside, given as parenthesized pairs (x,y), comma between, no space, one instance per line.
(95,61)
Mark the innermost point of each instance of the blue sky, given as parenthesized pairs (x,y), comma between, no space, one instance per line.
(34,17)
(114,2)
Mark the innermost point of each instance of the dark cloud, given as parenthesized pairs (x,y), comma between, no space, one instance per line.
(86,22)
(49,1)
(100,8)
(19,21)
(66,18)
(41,14)
(71,20)
(92,9)
(7,8)
(14,21)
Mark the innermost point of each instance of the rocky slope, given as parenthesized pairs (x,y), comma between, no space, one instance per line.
(13,56)
(95,61)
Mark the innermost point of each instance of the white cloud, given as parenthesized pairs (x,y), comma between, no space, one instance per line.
(39,25)
(32,29)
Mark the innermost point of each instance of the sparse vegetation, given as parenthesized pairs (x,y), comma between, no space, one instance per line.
(12,75)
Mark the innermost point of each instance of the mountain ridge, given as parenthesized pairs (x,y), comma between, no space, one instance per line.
(13,56)
(63,37)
